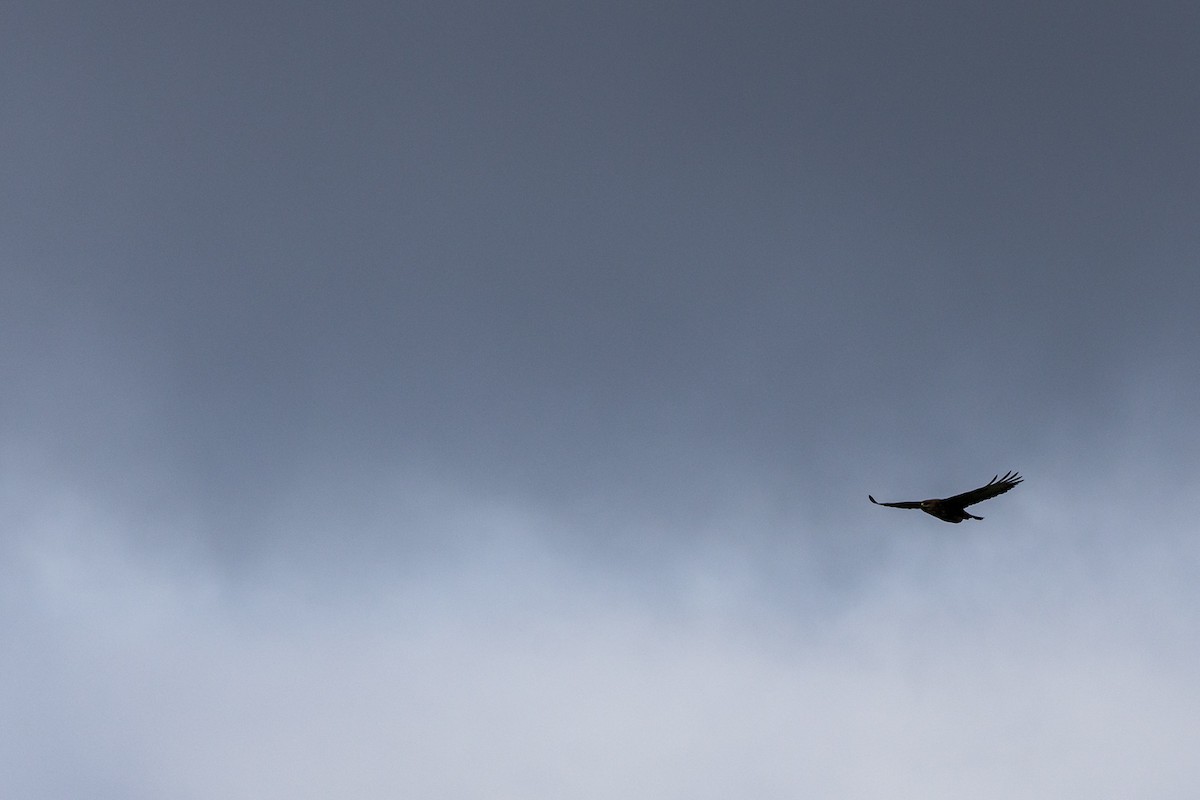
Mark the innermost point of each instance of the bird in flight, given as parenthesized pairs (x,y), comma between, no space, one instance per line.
(953,509)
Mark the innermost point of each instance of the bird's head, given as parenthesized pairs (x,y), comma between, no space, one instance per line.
(928,504)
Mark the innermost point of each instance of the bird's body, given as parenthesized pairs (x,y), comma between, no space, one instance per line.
(953,509)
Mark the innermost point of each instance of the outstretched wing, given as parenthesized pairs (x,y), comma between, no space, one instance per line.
(995,486)
(906,504)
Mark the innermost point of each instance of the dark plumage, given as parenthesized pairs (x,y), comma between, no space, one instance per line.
(953,509)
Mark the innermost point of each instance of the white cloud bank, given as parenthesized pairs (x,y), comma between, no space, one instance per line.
(965,667)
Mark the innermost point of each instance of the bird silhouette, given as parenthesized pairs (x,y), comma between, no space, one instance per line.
(953,509)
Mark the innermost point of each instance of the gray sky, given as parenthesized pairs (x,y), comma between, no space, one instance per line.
(480,400)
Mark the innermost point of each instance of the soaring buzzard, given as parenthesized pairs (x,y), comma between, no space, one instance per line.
(953,509)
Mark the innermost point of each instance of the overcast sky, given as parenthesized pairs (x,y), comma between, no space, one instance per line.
(455,399)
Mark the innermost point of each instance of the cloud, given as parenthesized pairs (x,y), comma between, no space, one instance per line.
(425,407)
(999,665)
